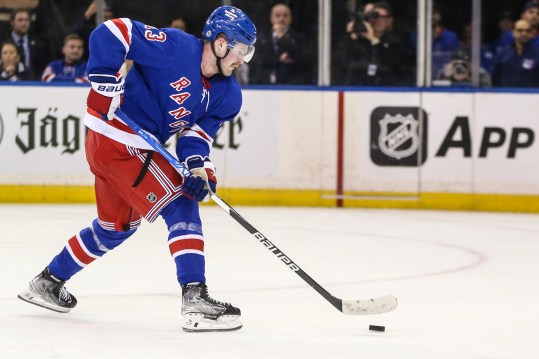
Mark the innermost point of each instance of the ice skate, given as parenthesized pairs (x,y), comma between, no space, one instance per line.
(201,313)
(48,292)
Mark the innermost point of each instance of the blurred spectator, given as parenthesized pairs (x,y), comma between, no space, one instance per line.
(84,27)
(32,51)
(517,64)
(282,55)
(458,71)
(368,7)
(505,22)
(444,42)
(505,25)
(178,23)
(369,54)
(73,67)
(530,13)
(11,68)
(486,51)
(87,23)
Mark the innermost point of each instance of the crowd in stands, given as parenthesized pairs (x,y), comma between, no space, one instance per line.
(372,50)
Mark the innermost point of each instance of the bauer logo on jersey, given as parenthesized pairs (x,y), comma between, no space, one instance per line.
(398,136)
(151,197)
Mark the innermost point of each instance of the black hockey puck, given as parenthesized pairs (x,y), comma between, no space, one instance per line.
(377,328)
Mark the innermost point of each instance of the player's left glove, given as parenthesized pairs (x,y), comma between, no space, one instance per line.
(106,94)
(202,182)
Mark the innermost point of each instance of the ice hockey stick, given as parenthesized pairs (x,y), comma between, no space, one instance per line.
(355,307)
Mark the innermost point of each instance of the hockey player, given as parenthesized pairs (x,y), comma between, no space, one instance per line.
(177,84)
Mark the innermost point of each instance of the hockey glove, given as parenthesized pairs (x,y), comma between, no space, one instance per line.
(202,182)
(106,94)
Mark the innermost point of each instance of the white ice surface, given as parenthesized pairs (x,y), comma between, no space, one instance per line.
(467,284)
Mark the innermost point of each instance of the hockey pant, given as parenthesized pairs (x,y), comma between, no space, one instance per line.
(130,182)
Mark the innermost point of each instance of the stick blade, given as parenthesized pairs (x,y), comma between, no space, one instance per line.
(370,306)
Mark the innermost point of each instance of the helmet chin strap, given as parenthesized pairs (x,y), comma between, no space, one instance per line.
(217,58)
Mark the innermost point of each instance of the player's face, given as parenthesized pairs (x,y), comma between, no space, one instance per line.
(232,61)
(239,54)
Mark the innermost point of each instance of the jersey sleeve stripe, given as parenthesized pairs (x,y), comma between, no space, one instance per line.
(48,77)
(197,131)
(121,28)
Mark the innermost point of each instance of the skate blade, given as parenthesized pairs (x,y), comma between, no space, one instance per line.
(198,323)
(29,296)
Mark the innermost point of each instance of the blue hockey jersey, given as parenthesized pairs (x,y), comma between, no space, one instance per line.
(59,70)
(165,92)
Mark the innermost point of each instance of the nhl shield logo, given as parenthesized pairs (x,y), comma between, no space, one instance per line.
(398,136)
(402,140)
(151,197)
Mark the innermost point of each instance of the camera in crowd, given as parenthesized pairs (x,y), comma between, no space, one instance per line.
(458,71)
(459,68)
(360,17)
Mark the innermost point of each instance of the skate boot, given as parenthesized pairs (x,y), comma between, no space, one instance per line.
(49,292)
(201,313)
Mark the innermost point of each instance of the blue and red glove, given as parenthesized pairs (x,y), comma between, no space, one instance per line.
(202,183)
(106,94)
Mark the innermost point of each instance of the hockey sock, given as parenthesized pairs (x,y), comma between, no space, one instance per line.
(85,247)
(187,249)
(185,239)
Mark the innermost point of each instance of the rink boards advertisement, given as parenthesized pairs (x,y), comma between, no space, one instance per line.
(448,142)
(307,147)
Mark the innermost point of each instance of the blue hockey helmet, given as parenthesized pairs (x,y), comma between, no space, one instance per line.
(236,26)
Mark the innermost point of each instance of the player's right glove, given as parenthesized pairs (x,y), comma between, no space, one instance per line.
(106,94)
(202,182)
